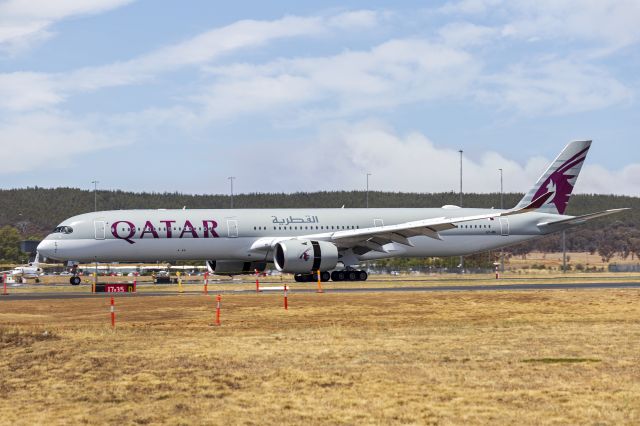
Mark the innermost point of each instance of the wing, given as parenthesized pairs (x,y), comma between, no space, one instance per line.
(376,237)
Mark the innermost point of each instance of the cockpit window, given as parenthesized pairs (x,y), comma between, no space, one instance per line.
(63,230)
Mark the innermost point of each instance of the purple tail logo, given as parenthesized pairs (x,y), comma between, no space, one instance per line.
(559,182)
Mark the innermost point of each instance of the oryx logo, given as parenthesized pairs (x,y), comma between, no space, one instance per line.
(560,182)
(305,255)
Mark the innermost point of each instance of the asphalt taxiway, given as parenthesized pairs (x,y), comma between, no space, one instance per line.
(327,289)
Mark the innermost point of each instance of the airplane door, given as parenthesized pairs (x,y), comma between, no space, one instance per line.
(99,229)
(378,222)
(504,226)
(232,226)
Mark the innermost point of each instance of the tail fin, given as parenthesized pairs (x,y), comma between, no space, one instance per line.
(559,179)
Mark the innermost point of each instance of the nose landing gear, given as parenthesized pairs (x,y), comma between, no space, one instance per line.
(75,279)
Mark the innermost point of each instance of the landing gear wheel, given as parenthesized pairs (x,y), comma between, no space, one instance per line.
(325,276)
(340,276)
(362,276)
(351,276)
(298,278)
(74,280)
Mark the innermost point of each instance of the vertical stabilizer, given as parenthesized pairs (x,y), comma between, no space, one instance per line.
(559,179)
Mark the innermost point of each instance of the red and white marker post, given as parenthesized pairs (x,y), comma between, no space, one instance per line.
(206,283)
(497,273)
(286,303)
(319,282)
(257,281)
(218,299)
(113,313)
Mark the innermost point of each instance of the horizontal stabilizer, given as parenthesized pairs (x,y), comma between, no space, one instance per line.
(579,220)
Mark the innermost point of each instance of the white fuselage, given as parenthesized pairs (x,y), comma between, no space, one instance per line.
(249,234)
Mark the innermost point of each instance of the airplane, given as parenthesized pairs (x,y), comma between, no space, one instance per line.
(328,241)
(30,271)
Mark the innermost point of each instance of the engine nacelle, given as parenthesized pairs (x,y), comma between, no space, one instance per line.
(234,267)
(304,256)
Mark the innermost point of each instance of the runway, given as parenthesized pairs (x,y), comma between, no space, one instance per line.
(444,288)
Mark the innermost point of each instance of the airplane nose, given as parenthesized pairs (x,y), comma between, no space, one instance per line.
(46,248)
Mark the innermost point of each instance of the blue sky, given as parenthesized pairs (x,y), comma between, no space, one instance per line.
(303,96)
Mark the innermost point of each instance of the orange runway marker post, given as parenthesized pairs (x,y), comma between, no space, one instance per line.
(4,284)
(218,299)
(113,313)
(286,303)
(257,281)
(206,283)
(319,282)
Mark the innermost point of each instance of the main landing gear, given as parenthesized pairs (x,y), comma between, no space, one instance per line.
(346,275)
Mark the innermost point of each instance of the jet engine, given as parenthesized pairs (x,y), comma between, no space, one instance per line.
(234,267)
(304,256)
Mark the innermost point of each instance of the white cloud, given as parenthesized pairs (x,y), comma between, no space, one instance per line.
(393,73)
(598,180)
(23,22)
(50,89)
(466,34)
(20,91)
(553,87)
(46,140)
(355,20)
(469,7)
(612,23)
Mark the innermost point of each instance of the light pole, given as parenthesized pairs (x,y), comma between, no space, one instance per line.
(231,178)
(368,174)
(461,257)
(461,151)
(95,195)
(564,252)
(501,207)
(501,191)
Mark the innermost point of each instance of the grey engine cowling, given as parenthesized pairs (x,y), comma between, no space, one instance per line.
(303,256)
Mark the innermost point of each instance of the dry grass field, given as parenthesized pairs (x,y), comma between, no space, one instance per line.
(545,357)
